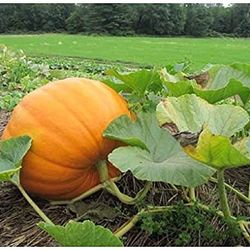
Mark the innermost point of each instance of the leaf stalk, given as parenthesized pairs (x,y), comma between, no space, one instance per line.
(34,206)
(223,195)
(237,192)
(192,194)
(112,188)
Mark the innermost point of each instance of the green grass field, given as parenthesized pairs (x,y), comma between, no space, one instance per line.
(144,50)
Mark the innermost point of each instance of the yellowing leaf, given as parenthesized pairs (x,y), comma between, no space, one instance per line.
(217,151)
(244,146)
(190,113)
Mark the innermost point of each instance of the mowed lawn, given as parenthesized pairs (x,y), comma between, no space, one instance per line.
(144,50)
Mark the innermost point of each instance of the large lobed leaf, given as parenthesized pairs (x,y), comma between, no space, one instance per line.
(243,146)
(218,151)
(190,113)
(153,154)
(180,88)
(81,234)
(12,152)
(221,82)
(232,88)
(220,75)
(138,81)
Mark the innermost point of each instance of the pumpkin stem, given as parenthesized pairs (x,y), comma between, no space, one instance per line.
(244,229)
(223,195)
(111,187)
(225,207)
(127,225)
(192,194)
(84,195)
(102,170)
(237,192)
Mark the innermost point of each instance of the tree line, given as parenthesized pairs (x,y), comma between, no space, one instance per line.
(196,20)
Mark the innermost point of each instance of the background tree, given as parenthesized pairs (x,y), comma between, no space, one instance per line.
(221,18)
(196,20)
(240,19)
(77,22)
(152,19)
(114,19)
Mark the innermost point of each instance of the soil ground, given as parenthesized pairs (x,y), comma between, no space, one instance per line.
(18,220)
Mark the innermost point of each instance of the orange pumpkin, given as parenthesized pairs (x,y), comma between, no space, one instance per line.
(66,120)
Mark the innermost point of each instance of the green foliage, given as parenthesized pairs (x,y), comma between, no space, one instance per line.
(240,23)
(184,223)
(20,75)
(190,113)
(138,82)
(12,152)
(219,152)
(153,154)
(81,234)
(214,83)
(114,19)
(10,99)
(77,22)
(33,17)
(143,88)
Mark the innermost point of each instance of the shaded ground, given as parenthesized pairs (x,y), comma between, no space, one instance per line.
(18,220)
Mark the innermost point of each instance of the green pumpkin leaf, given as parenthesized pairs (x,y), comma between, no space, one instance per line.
(219,82)
(190,113)
(218,152)
(81,234)
(220,75)
(233,87)
(138,81)
(14,149)
(8,171)
(167,77)
(162,160)
(117,86)
(180,88)
(12,152)
(132,136)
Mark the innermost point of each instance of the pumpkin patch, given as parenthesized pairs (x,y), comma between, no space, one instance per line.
(147,151)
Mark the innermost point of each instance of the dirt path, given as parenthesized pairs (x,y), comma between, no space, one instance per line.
(4,117)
